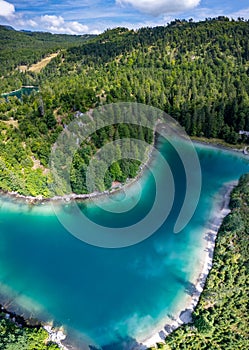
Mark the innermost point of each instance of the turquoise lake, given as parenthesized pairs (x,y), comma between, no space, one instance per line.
(101,296)
(24,90)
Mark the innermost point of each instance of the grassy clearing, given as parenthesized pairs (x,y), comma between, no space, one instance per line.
(37,67)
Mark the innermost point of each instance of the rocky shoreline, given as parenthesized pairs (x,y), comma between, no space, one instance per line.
(79,197)
(54,335)
(82,197)
(221,146)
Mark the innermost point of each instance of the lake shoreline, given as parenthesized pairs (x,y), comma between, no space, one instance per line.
(210,237)
(217,145)
(188,306)
(55,335)
(79,197)
(94,195)
(189,303)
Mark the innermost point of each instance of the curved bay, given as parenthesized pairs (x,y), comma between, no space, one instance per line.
(102,295)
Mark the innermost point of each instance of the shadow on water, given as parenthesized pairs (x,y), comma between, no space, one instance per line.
(127,343)
(122,344)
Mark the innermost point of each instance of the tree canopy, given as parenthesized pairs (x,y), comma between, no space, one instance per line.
(196,72)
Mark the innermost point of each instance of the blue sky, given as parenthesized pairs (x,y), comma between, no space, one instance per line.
(94,16)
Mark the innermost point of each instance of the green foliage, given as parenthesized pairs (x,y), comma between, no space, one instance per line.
(13,337)
(221,317)
(30,47)
(196,72)
(119,170)
(25,141)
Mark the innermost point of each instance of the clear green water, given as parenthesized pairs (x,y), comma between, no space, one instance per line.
(102,295)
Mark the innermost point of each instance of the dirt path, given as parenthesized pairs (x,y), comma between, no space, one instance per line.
(37,67)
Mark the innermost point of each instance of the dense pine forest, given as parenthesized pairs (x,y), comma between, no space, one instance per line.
(221,319)
(196,72)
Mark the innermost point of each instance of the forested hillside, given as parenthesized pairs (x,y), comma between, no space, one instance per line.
(196,72)
(221,319)
(25,48)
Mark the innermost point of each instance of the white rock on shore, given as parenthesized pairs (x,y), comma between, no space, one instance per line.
(56,336)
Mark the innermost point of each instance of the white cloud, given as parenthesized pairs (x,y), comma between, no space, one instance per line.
(57,24)
(201,13)
(241,13)
(7,10)
(31,23)
(158,7)
(50,23)
(55,21)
